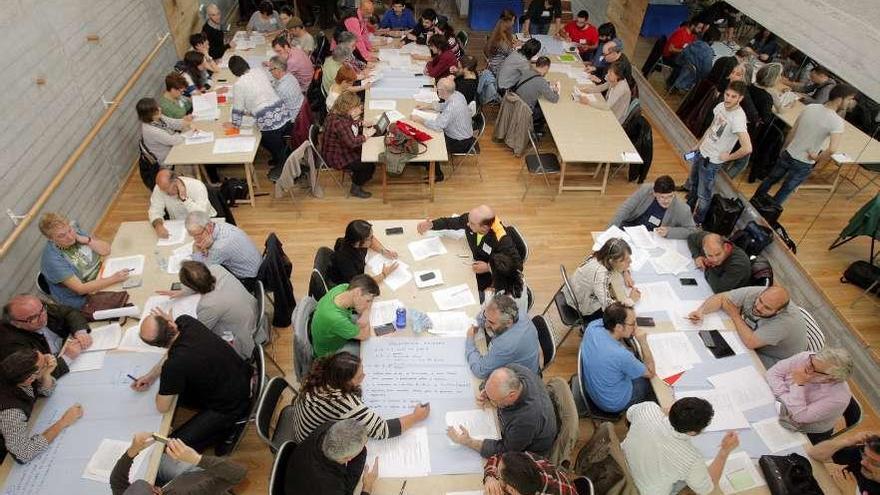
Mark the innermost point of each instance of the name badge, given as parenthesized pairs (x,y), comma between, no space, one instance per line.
(654,221)
(354,130)
(487,249)
(583,42)
(546,13)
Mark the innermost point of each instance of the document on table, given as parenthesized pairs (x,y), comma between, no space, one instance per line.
(376,262)
(603,237)
(401,457)
(384,312)
(775,437)
(104,459)
(480,423)
(740,474)
(105,338)
(399,277)
(425,248)
(176,259)
(436,280)
(198,137)
(671,262)
(455,297)
(679,312)
(185,305)
(631,157)
(176,233)
(655,296)
(131,341)
(425,115)
(88,361)
(747,387)
(135,265)
(425,95)
(640,236)
(243,144)
(673,353)
(734,342)
(383,104)
(639,258)
(205,107)
(449,323)
(727,416)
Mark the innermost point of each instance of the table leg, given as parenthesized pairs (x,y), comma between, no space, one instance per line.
(431,166)
(605,177)
(384,185)
(248,175)
(561,177)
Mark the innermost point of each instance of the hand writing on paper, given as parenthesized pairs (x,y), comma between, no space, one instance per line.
(695,316)
(161,231)
(424,226)
(71,415)
(389,253)
(84,339)
(120,275)
(662,231)
(389,268)
(73,349)
(144,382)
(730,441)
(700,261)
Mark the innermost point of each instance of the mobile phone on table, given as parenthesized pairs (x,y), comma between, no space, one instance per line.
(688,281)
(159,438)
(394,231)
(644,321)
(427,276)
(384,329)
(176,286)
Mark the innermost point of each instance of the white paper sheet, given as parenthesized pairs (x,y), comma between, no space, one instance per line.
(175,260)
(480,423)
(734,342)
(602,237)
(639,258)
(671,262)
(185,305)
(426,95)
(88,361)
(640,237)
(104,459)
(383,104)
(242,144)
(205,106)
(454,297)
(631,157)
(134,263)
(176,233)
(185,249)
(131,341)
(747,387)
(425,248)
(450,323)
(775,437)
(655,296)
(199,137)
(740,474)
(375,262)
(384,312)
(399,277)
(678,314)
(106,337)
(401,457)
(425,115)
(727,414)
(437,280)
(673,353)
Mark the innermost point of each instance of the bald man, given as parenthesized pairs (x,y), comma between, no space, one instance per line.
(764,318)
(725,264)
(213,29)
(30,323)
(485,235)
(178,196)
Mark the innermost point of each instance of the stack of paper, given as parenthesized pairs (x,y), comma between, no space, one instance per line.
(480,423)
(671,262)
(205,106)
(673,353)
(234,145)
(747,387)
(727,416)
(135,265)
(603,237)
(777,438)
(449,323)
(640,237)
(739,474)
(198,137)
(104,459)
(455,297)
(425,115)
(384,312)
(105,338)
(176,233)
(425,248)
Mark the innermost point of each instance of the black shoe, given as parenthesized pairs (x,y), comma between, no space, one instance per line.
(681,188)
(439,177)
(359,192)
(274,173)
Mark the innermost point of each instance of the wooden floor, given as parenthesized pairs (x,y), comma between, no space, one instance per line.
(557,230)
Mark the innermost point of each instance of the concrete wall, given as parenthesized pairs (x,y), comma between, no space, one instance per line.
(598,9)
(43,124)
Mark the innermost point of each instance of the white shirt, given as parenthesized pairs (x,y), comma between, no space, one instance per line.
(722,134)
(814,126)
(659,457)
(196,200)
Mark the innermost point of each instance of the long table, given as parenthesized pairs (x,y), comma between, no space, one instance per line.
(455,269)
(110,408)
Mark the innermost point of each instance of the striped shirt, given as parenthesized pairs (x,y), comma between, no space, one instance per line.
(454,119)
(253,94)
(311,410)
(290,92)
(591,284)
(233,250)
(14,428)
(659,457)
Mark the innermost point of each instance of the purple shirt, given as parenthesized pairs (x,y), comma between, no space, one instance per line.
(300,66)
(815,407)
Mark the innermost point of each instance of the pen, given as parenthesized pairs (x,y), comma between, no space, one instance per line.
(403,487)
(132,378)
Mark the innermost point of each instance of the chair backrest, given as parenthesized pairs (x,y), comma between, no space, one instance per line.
(815,335)
(530,299)
(479,125)
(631,111)
(583,485)
(546,339)
(566,422)
(519,241)
(581,380)
(852,416)
(279,468)
(463,39)
(313,135)
(303,354)
(258,383)
(320,282)
(268,404)
(261,333)
(43,285)
(567,287)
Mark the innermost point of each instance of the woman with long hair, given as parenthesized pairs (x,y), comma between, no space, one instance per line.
(350,253)
(603,279)
(501,41)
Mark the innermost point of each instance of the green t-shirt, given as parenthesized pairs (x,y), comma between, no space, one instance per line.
(175,109)
(332,326)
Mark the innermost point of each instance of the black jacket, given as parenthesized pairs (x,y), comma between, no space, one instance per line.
(310,472)
(62,320)
(274,272)
(495,241)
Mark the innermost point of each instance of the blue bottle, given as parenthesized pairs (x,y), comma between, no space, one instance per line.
(400,321)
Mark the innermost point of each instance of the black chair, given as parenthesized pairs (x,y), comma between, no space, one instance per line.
(263,327)
(258,383)
(530,299)
(279,468)
(279,433)
(320,282)
(43,285)
(586,407)
(583,485)
(537,163)
(570,316)
(148,165)
(518,241)
(655,58)
(546,339)
(314,130)
(852,416)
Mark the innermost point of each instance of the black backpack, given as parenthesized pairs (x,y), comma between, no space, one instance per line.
(148,166)
(767,207)
(233,189)
(722,215)
(753,238)
(862,274)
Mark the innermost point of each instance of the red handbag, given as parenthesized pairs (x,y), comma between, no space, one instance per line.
(412,131)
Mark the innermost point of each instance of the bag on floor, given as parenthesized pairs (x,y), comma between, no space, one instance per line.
(762,272)
(783,234)
(789,475)
(767,207)
(753,238)
(234,189)
(862,274)
(722,215)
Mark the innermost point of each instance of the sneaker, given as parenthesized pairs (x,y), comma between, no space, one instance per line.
(359,192)
(274,174)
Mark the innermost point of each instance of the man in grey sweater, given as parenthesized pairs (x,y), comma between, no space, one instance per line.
(534,85)
(517,64)
(725,264)
(657,208)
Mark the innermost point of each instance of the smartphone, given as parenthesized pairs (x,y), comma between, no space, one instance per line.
(132,282)
(384,329)
(706,337)
(690,155)
(688,281)
(427,276)
(644,321)
(394,231)
(176,286)
(159,438)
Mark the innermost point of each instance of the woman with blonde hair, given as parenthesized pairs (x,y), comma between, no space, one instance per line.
(501,42)
(71,261)
(344,136)
(603,279)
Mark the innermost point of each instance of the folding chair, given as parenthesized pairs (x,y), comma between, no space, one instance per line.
(463,39)
(815,335)
(519,242)
(539,164)
(322,165)
(546,339)
(852,416)
(319,281)
(258,383)
(263,327)
(570,316)
(474,150)
(274,435)
(586,407)
(279,469)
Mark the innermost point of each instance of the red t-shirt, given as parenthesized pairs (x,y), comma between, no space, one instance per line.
(589,34)
(679,38)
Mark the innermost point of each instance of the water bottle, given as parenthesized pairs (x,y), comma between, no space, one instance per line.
(400,320)
(161,260)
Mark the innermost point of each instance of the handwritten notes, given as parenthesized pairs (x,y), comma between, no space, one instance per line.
(135,265)
(405,456)
(454,297)
(480,423)
(105,338)
(427,247)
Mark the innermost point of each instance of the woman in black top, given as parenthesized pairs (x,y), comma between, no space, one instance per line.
(540,15)
(350,253)
(466,77)
(217,45)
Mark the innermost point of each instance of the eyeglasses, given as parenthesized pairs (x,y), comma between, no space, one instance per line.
(33,318)
(812,367)
(627,324)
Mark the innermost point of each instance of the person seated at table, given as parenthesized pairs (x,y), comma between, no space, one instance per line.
(507,278)
(695,61)
(813,391)
(617,89)
(199,42)
(285,15)
(172,102)
(158,132)
(337,59)
(343,140)
(355,22)
(683,36)
(614,378)
(817,89)
(331,461)
(221,243)
(27,375)
(213,29)
(298,62)
(332,392)
(525,473)
(858,453)
(501,42)
(225,307)
(725,264)
(254,95)
(465,75)
(442,58)
(657,208)
(448,32)
(455,119)
(543,17)
(764,45)
(511,337)
(526,416)
(286,86)
(517,65)
(583,34)
(661,456)
(296,31)
(194,68)
(398,17)
(55,329)
(425,28)
(598,69)
(534,86)
(600,60)
(71,261)
(334,326)
(345,80)
(177,196)
(204,473)
(603,279)
(264,20)
(350,253)
(485,236)
(205,374)
(765,320)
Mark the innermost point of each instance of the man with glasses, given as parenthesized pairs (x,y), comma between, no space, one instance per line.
(657,208)
(859,453)
(524,473)
(764,318)
(177,196)
(55,329)
(614,378)
(525,413)
(226,245)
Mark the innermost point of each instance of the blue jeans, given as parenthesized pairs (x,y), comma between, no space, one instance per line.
(733,168)
(702,182)
(642,392)
(794,171)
